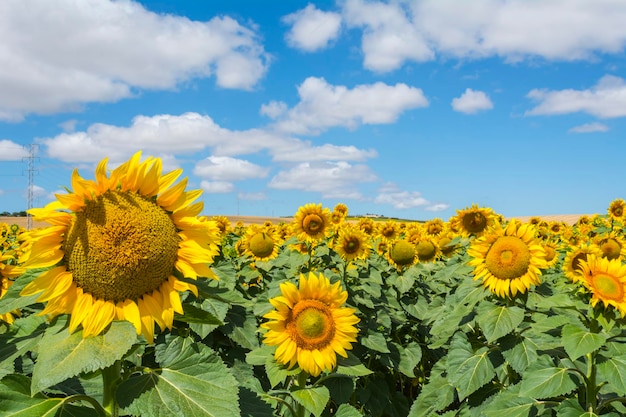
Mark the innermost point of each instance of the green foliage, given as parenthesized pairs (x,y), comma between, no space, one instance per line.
(432,341)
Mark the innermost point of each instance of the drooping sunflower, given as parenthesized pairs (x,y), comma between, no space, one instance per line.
(445,244)
(606,279)
(474,220)
(223,224)
(116,246)
(342,209)
(574,256)
(261,242)
(402,254)
(612,245)
(617,209)
(352,243)
(309,325)
(427,249)
(311,222)
(508,259)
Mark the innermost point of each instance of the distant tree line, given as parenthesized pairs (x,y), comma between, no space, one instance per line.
(13,214)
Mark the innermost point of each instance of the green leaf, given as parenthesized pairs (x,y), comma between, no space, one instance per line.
(613,371)
(410,357)
(578,341)
(468,371)
(241,326)
(13,404)
(508,404)
(277,372)
(194,314)
(65,355)
(571,408)
(12,300)
(346,410)
(192,381)
(497,321)
(22,337)
(375,341)
(403,283)
(260,355)
(351,366)
(341,388)
(313,399)
(519,352)
(546,383)
(252,405)
(436,395)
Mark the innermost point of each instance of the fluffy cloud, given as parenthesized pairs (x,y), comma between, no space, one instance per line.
(312,29)
(589,128)
(390,194)
(420,30)
(323,106)
(217,187)
(472,102)
(331,179)
(224,168)
(11,151)
(607,99)
(58,55)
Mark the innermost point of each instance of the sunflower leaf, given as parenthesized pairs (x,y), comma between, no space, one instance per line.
(468,370)
(23,336)
(546,383)
(578,341)
(346,410)
(12,300)
(192,381)
(313,399)
(497,321)
(613,370)
(67,355)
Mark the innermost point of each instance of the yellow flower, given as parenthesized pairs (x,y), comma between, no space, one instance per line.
(115,246)
(261,243)
(473,220)
(575,255)
(617,209)
(311,221)
(310,326)
(552,254)
(508,259)
(402,254)
(434,227)
(427,249)
(223,224)
(612,245)
(367,225)
(352,243)
(606,279)
(388,231)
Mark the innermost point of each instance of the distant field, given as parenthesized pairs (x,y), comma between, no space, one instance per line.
(247,220)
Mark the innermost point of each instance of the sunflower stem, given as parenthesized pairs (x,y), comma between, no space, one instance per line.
(110,379)
(591,381)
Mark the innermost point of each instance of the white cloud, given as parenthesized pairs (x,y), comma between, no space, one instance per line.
(589,128)
(273,109)
(472,102)
(58,55)
(252,196)
(326,152)
(401,199)
(399,31)
(437,207)
(217,187)
(312,29)
(323,105)
(331,179)
(607,99)
(224,168)
(11,151)
(191,133)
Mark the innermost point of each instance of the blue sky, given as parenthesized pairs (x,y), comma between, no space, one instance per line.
(409,109)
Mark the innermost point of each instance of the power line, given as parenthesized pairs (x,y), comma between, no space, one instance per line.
(31,182)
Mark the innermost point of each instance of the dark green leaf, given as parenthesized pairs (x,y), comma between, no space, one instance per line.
(66,355)
(194,314)
(241,326)
(519,352)
(508,404)
(192,381)
(341,389)
(410,357)
(613,371)
(546,383)
(12,300)
(375,341)
(578,342)
(346,410)
(468,370)
(351,366)
(313,399)
(497,321)
(22,337)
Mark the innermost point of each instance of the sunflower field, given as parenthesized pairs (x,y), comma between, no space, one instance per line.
(130,303)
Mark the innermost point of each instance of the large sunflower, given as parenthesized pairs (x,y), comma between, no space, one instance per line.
(310,326)
(606,279)
(508,259)
(352,243)
(574,256)
(117,245)
(311,222)
(402,254)
(261,242)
